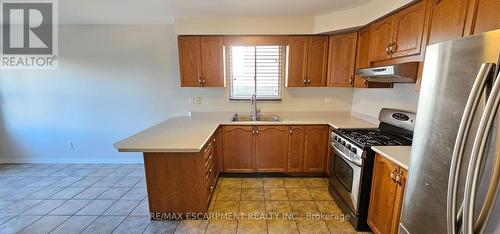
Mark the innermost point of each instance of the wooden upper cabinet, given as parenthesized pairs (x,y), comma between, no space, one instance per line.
(307,61)
(212,63)
(483,16)
(317,61)
(381,33)
(297,60)
(189,61)
(447,20)
(398,35)
(342,59)
(386,196)
(239,148)
(408,30)
(296,143)
(271,148)
(315,148)
(363,48)
(201,61)
(363,60)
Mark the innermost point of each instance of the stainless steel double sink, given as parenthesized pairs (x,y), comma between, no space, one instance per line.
(251,118)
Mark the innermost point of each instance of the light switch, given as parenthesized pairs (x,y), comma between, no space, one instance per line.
(198,100)
(191,100)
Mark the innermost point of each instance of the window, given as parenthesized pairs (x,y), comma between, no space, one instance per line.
(256,69)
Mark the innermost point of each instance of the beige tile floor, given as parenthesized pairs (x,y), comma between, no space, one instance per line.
(107,198)
(275,205)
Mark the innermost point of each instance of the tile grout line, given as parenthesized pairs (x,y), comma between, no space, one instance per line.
(127,215)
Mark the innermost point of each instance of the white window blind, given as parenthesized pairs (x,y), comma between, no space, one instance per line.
(256,69)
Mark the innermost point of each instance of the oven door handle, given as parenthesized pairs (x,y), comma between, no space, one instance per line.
(344,156)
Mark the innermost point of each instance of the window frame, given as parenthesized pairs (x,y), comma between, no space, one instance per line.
(283,78)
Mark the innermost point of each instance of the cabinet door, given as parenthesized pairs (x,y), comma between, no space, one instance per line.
(400,191)
(483,16)
(315,148)
(383,196)
(189,60)
(408,30)
(342,59)
(212,66)
(238,149)
(317,61)
(447,20)
(298,47)
(363,48)
(381,35)
(296,143)
(271,147)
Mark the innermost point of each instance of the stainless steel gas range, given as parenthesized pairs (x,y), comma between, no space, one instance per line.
(352,161)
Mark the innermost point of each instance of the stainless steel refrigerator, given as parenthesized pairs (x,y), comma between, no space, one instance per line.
(454,168)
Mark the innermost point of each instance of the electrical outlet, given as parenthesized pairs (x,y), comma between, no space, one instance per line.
(70,145)
(191,100)
(198,100)
(328,100)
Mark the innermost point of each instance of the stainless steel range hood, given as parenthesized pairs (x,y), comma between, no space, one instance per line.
(397,73)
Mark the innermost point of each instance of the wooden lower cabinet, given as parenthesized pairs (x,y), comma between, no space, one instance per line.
(316,147)
(386,198)
(296,143)
(307,149)
(271,148)
(275,148)
(238,148)
(180,184)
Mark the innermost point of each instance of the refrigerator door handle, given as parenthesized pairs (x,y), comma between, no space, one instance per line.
(475,163)
(458,151)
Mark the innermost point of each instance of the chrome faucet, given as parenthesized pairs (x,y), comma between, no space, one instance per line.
(254,103)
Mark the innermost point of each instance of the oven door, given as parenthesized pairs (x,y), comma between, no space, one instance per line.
(346,178)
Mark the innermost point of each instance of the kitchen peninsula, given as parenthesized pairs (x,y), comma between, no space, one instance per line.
(184,155)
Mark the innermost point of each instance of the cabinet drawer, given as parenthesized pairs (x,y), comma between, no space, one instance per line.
(209,148)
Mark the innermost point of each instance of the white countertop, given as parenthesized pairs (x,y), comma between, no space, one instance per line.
(397,154)
(190,133)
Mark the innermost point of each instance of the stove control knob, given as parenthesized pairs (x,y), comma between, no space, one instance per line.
(342,142)
(348,147)
(354,150)
(335,138)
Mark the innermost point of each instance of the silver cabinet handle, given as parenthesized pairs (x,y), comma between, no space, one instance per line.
(398,178)
(290,131)
(257,132)
(458,151)
(475,162)
(393,175)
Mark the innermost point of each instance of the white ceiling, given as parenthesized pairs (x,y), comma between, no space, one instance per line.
(164,11)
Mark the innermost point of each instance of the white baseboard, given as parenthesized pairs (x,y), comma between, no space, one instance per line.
(125,160)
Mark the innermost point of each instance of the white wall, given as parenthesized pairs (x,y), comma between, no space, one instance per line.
(369,101)
(337,20)
(112,81)
(244,25)
(356,17)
